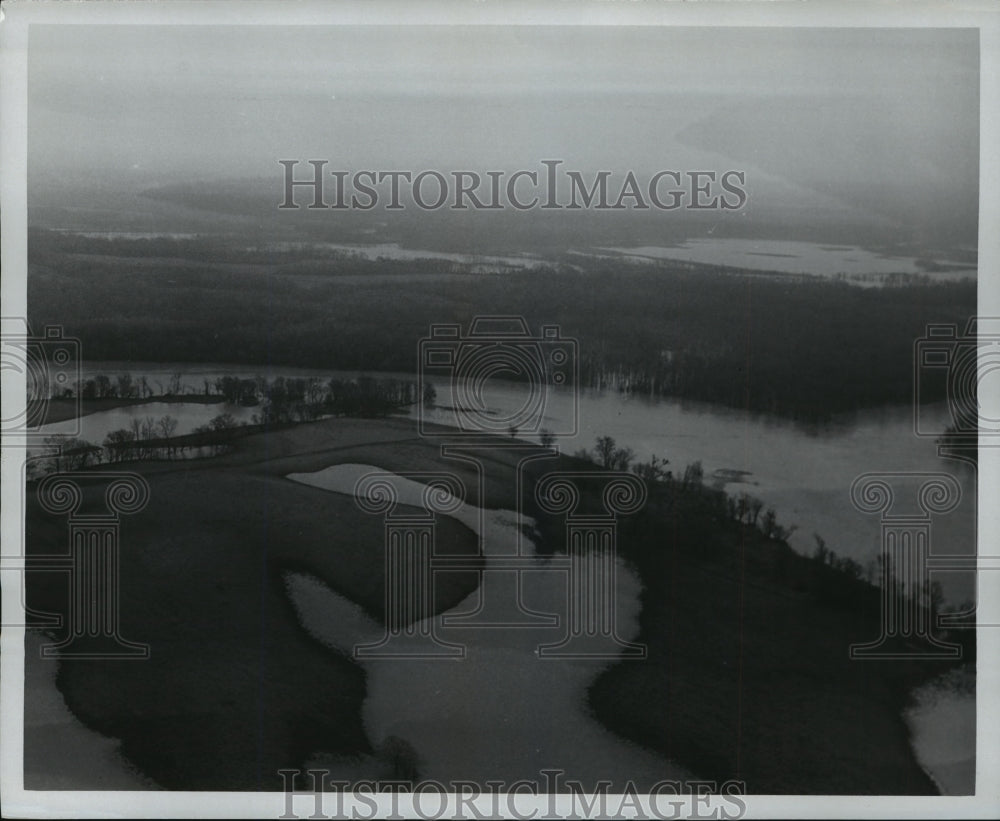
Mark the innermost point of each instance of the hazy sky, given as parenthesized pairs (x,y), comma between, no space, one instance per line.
(833,115)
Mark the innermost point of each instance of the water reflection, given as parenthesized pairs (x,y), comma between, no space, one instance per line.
(804,473)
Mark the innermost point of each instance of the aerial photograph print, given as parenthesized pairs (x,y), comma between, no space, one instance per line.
(428,409)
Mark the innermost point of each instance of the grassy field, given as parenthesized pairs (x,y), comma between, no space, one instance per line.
(234,689)
(747,677)
(748,674)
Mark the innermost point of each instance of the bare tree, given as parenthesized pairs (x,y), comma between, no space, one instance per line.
(610,456)
(694,475)
(115,441)
(125,385)
(653,471)
(622,458)
(103,387)
(167,425)
(224,421)
(79,453)
(605,449)
(742,507)
(822,552)
(769,522)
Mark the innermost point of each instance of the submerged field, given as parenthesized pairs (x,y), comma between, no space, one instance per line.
(748,675)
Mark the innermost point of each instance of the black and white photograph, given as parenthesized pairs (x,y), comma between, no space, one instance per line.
(463,410)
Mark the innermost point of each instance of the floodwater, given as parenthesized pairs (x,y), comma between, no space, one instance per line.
(793,257)
(501,712)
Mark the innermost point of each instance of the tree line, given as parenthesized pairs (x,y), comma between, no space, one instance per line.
(280,401)
(801,348)
(741,508)
(834,574)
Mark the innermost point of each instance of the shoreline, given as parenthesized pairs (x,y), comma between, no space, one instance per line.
(942,717)
(68,742)
(604,383)
(537,708)
(260,465)
(61,410)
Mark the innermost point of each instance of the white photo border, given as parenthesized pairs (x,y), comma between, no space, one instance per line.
(20,16)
